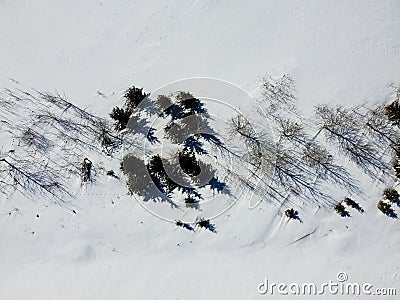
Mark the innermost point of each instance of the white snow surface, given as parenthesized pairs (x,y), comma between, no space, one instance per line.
(342,52)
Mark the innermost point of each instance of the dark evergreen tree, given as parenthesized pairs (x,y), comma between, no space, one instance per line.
(188,162)
(133,97)
(193,142)
(189,104)
(186,105)
(121,117)
(159,176)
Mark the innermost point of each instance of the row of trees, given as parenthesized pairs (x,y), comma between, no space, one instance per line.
(311,154)
(284,160)
(287,159)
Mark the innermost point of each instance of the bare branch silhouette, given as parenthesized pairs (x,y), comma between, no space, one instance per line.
(343,129)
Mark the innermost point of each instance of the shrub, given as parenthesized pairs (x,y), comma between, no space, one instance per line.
(386,208)
(350,202)
(341,210)
(111,173)
(291,213)
(191,202)
(179,223)
(391,194)
(204,223)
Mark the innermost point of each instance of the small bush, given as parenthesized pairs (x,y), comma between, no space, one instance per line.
(291,213)
(350,202)
(341,210)
(191,202)
(204,223)
(391,194)
(179,223)
(386,208)
(111,173)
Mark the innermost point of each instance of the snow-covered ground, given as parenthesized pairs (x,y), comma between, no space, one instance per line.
(342,52)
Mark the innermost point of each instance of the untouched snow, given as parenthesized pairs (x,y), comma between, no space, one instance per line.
(337,51)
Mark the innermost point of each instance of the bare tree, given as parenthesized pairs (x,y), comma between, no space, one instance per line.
(315,156)
(344,129)
(32,177)
(49,137)
(278,97)
(377,126)
(253,155)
